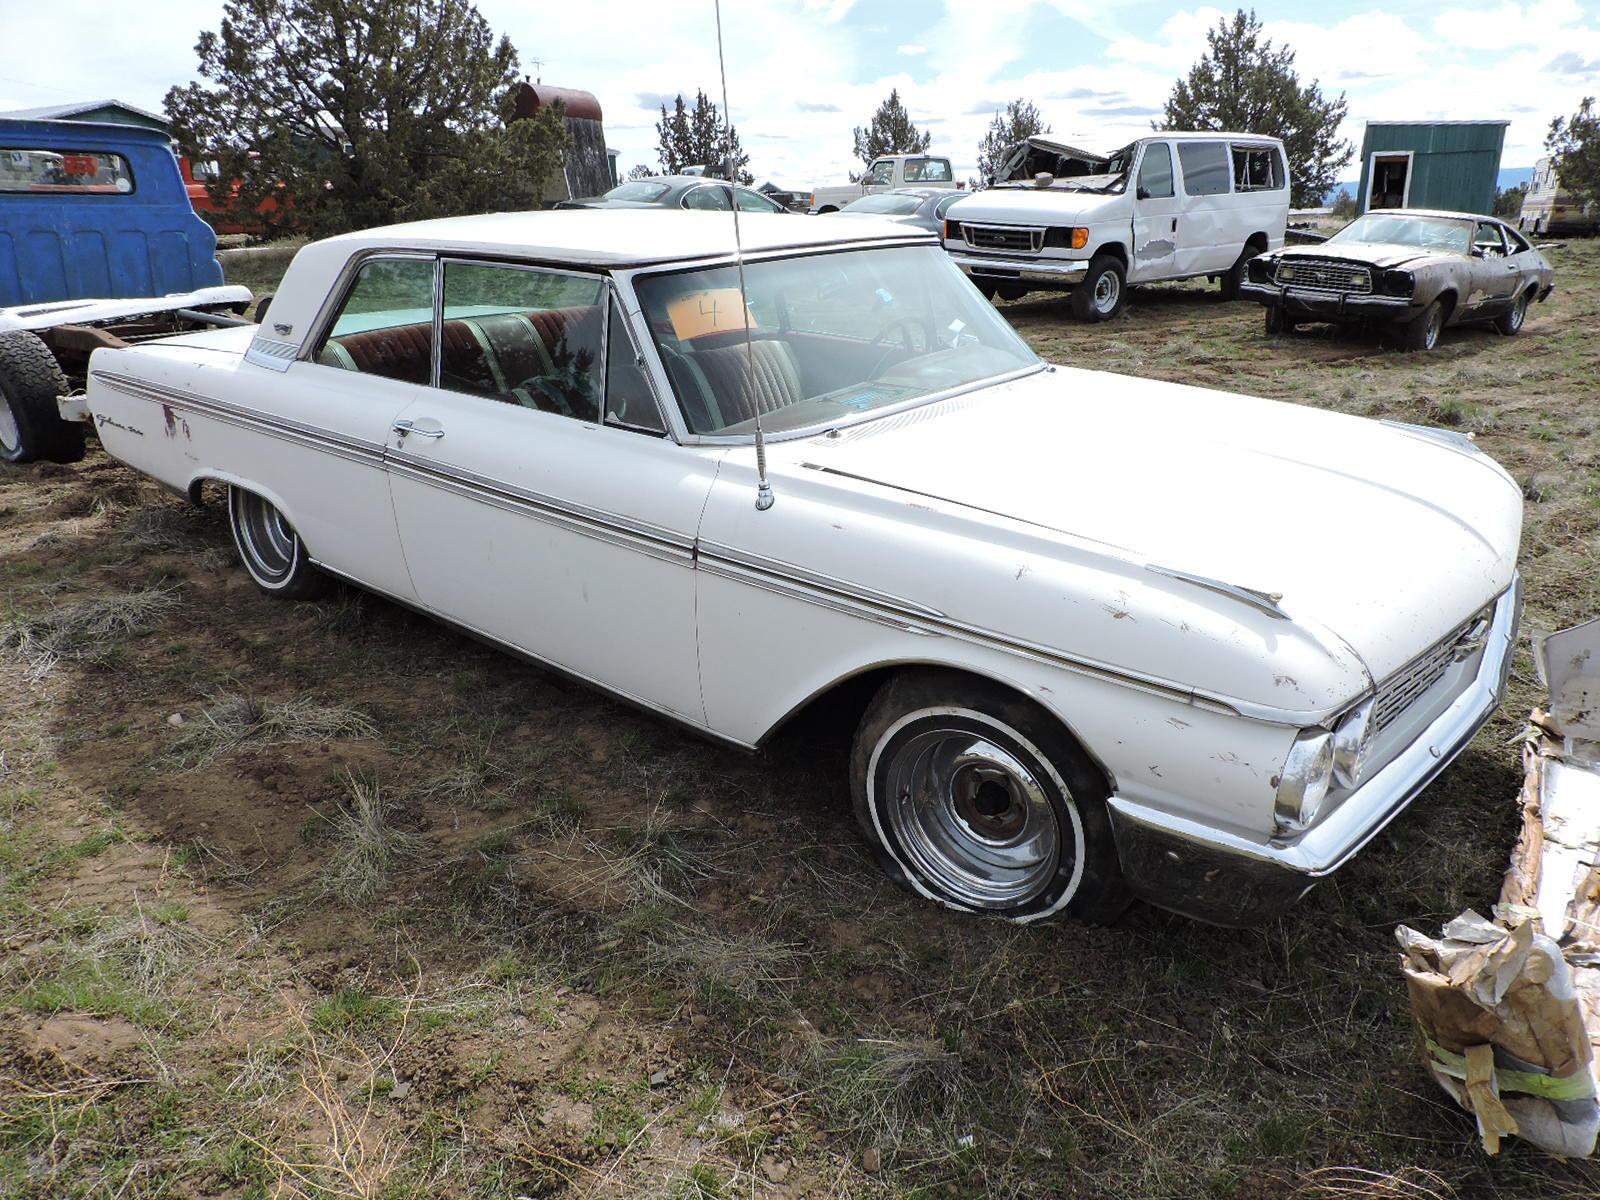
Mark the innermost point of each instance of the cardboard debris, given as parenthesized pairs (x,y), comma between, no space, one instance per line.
(1509,1009)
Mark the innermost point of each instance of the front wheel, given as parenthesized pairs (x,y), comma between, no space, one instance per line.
(1234,275)
(1104,289)
(270,549)
(972,796)
(1423,332)
(1278,321)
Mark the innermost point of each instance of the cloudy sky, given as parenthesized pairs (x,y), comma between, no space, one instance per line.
(803,73)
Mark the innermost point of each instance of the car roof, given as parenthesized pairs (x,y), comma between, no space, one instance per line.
(684,180)
(1432,212)
(605,237)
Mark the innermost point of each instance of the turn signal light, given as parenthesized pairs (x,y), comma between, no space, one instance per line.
(1080,238)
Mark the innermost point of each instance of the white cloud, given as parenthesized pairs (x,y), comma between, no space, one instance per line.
(912,50)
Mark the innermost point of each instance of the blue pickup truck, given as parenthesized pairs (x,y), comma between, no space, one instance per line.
(99,245)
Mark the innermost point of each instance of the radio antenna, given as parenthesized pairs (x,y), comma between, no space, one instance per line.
(764,497)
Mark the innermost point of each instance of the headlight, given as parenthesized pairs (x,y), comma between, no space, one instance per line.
(1352,740)
(1307,775)
(1398,283)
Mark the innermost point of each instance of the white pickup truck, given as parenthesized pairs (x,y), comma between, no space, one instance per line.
(885,174)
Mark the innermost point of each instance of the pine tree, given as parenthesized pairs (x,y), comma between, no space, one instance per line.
(1244,85)
(699,136)
(1020,121)
(890,132)
(1574,148)
(364,113)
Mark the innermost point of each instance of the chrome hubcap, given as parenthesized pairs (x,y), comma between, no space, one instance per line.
(10,435)
(1106,291)
(973,820)
(265,537)
(1519,312)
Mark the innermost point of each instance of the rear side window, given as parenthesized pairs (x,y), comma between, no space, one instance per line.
(1517,242)
(1155,171)
(523,336)
(709,197)
(1257,169)
(928,170)
(86,172)
(1205,167)
(385,326)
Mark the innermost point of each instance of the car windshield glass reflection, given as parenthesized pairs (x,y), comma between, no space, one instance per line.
(1428,233)
(832,337)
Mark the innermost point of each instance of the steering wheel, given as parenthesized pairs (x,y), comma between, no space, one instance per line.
(907,325)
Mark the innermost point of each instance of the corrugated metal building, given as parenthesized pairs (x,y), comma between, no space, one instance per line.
(115,112)
(1431,164)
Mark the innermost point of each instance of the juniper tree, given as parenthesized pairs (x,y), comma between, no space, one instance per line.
(890,132)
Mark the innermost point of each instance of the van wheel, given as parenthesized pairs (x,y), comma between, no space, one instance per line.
(974,797)
(988,290)
(1012,293)
(30,424)
(1103,291)
(1234,275)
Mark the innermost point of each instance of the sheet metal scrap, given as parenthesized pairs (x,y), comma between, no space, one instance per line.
(1509,1009)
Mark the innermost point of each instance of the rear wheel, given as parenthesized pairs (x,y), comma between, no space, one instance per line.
(976,798)
(30,424)
(270,549)
(1510,321)
(1234,275)
(1423,332)
(1103,291)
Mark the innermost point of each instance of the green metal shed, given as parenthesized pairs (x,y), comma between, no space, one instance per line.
(116,112)
(1431,164)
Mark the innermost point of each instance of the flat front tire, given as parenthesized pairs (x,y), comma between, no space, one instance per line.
(1103,291)
(270,549)
(976,798)
(30,424)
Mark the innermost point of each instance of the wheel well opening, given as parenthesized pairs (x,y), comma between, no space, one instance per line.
(1448,299)
(1115,250)
(1256,242)
(827,722)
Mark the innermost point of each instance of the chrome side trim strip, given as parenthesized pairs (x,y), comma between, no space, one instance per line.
(281,427)
(776,576)
(653,540)
(1266,602)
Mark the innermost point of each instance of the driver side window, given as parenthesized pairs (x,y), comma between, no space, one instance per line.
(523,336)
(882,173)
(1487,241)
(1155,171)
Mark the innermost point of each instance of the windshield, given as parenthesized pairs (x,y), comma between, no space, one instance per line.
(637,190)
(833,336)
(1432,233)
(885,202)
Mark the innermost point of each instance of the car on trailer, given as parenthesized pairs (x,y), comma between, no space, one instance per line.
(1095,633)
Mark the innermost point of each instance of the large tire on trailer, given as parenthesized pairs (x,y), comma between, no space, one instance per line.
(975,797)
(30,424)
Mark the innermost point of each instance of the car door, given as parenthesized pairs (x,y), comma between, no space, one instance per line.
(879,177)
(1155,215)
(1494,274)
(366,366)
(536,506)
(708,196)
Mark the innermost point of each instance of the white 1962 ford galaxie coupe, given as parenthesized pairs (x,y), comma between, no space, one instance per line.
(1121,637)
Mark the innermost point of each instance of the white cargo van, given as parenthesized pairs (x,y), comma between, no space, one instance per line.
(1167,206)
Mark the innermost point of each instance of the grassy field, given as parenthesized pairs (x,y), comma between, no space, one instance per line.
(325,901)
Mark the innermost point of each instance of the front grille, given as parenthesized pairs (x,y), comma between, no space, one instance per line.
(1402,689)
(1018,239)
(1324,276)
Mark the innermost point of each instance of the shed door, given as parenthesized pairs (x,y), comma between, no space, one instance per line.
(1391,181)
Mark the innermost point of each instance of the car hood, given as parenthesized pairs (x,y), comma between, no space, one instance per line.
(1383,535)
(1031,205)
(1378,254)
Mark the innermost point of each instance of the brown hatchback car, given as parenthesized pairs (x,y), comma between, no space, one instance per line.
(1412,269)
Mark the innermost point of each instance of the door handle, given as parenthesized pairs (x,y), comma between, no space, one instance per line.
(1174,224)
(405,427)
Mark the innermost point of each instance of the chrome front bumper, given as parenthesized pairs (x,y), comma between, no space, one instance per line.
(1178,863)
(1060,272)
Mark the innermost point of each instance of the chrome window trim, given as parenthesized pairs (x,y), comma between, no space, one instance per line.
(614,303)
(322,324)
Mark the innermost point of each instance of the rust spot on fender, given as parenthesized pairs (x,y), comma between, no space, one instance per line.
(174,422)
